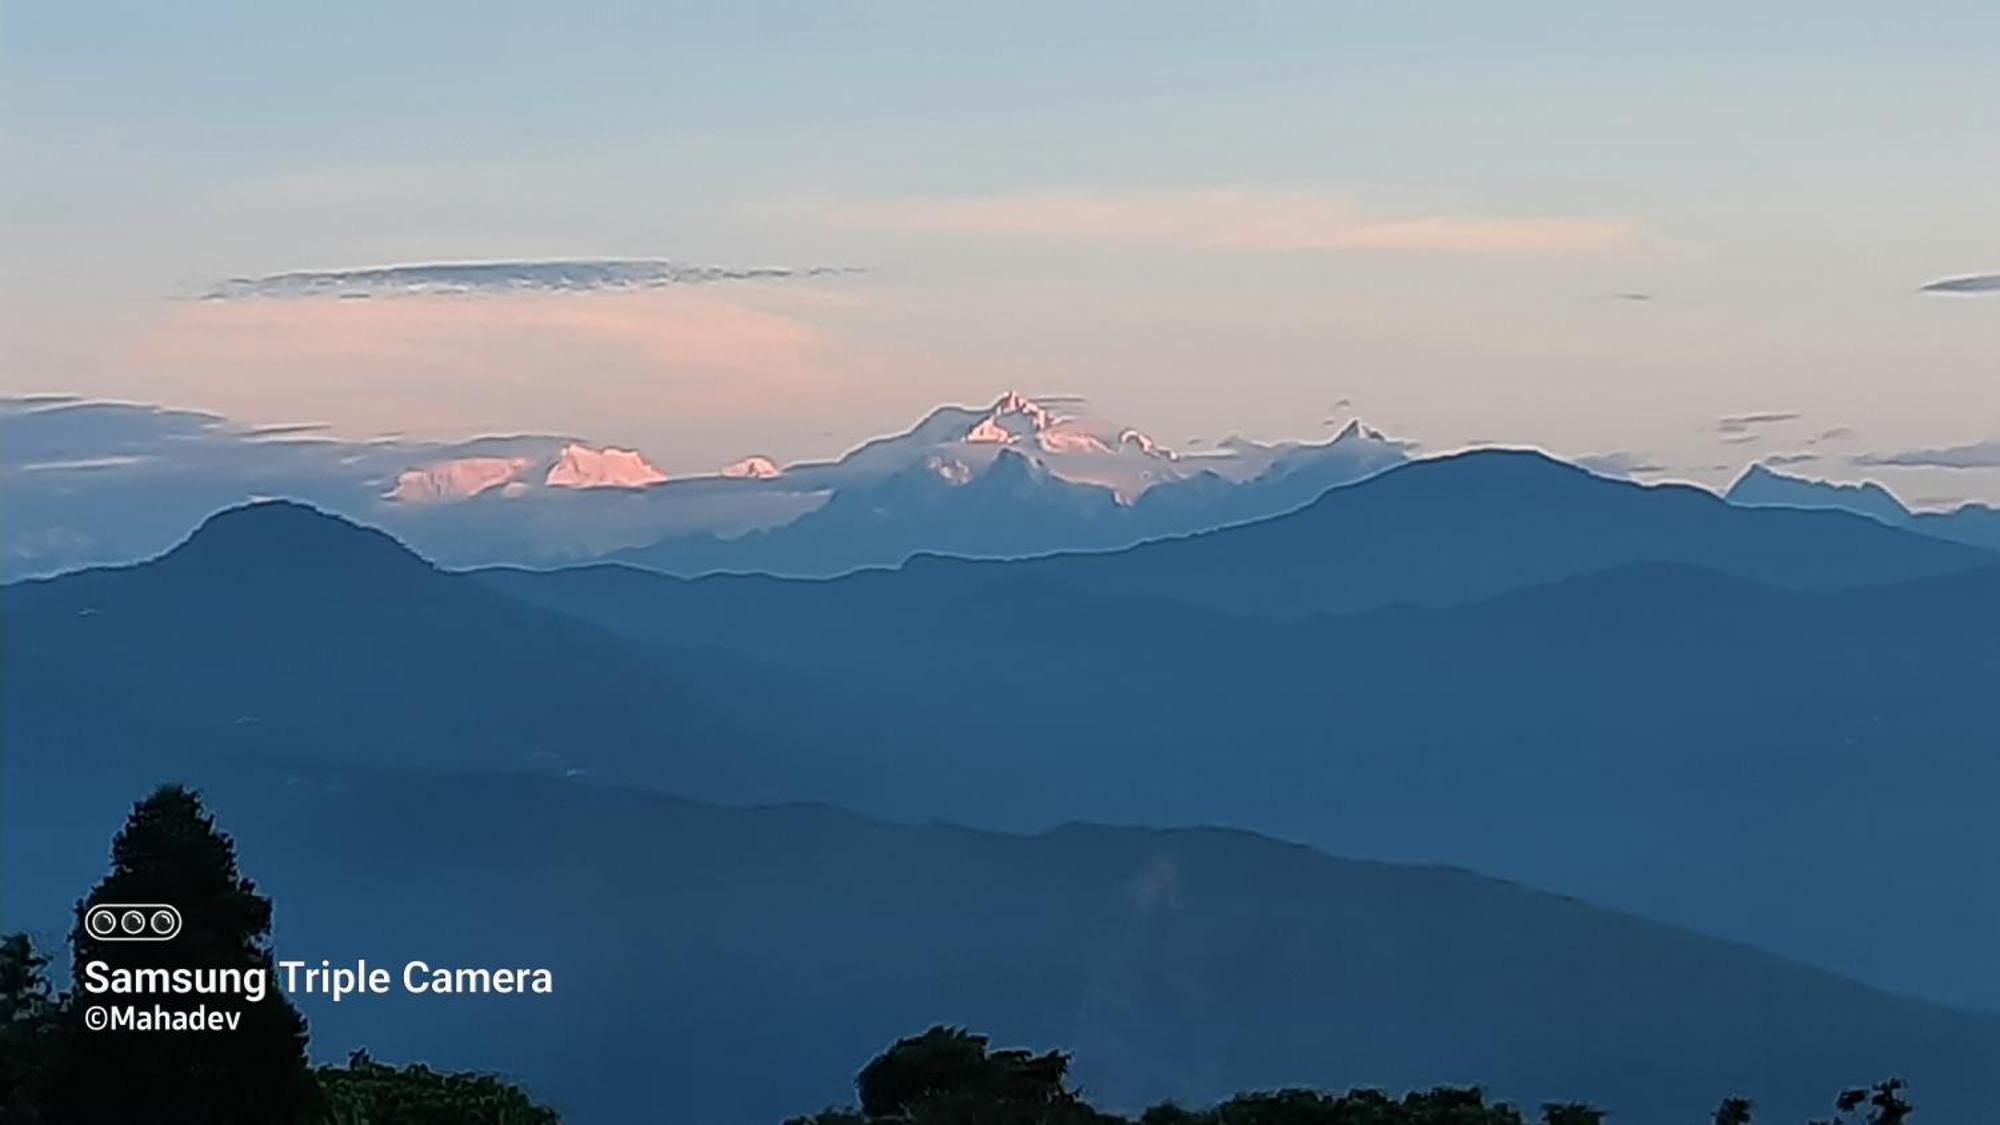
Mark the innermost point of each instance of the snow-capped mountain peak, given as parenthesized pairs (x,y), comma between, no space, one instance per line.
(753,467)
(580,466)
(1015,420)
(1145,445)
(519,465)
(1014,403)
(455,479)
(1012,418)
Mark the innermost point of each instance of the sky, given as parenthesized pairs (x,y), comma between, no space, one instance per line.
(1691,236)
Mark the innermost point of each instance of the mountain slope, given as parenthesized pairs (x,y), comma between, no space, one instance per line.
(1703,732)
(1013,482)
(692,944)
(1763,487)
(1011,506)
(1439,532)
(1976,525)
(279,626)
(1459,528)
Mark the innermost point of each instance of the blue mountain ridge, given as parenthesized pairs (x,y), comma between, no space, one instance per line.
(1738,743)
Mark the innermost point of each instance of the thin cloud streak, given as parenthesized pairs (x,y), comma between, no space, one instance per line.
(1231,220)
(1976,455)
(1975,283)
(1740,424)
(503,277)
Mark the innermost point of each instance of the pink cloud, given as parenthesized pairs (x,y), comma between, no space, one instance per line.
(601,363)
(1466,235)
(1242,220)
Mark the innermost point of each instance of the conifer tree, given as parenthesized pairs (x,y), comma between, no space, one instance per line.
(170,852)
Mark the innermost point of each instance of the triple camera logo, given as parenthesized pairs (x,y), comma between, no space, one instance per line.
(132,921)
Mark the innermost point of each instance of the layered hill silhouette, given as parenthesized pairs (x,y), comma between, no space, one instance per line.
(1714,739)
(719,963)
(1434,532)
(1737,757)
(1333,533)
(277,626)
(1761,486)
(1468,526)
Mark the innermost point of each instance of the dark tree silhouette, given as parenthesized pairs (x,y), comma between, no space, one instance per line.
(27,1030)
(55,1070)
(1444,1105)
(24,987)
(366,1092)
(946,1076)
(170,852)
(1880,1104)
(1571,1113)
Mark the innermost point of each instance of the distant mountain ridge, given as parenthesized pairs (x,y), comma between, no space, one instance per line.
(1008,695)
(1761,486)
(413,760)
(100,483)
(1692,685)
(94,483)
(995,497)
(279,625)
(1471,525)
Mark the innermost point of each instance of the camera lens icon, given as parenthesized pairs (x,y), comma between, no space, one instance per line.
(132,921)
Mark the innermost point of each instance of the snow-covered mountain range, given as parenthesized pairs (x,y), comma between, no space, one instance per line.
(1019,477)
(95,482)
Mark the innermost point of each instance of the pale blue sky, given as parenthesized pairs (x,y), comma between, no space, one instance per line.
(1204,219)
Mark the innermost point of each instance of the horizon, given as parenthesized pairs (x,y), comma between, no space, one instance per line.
(77,472)
(1716,478)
